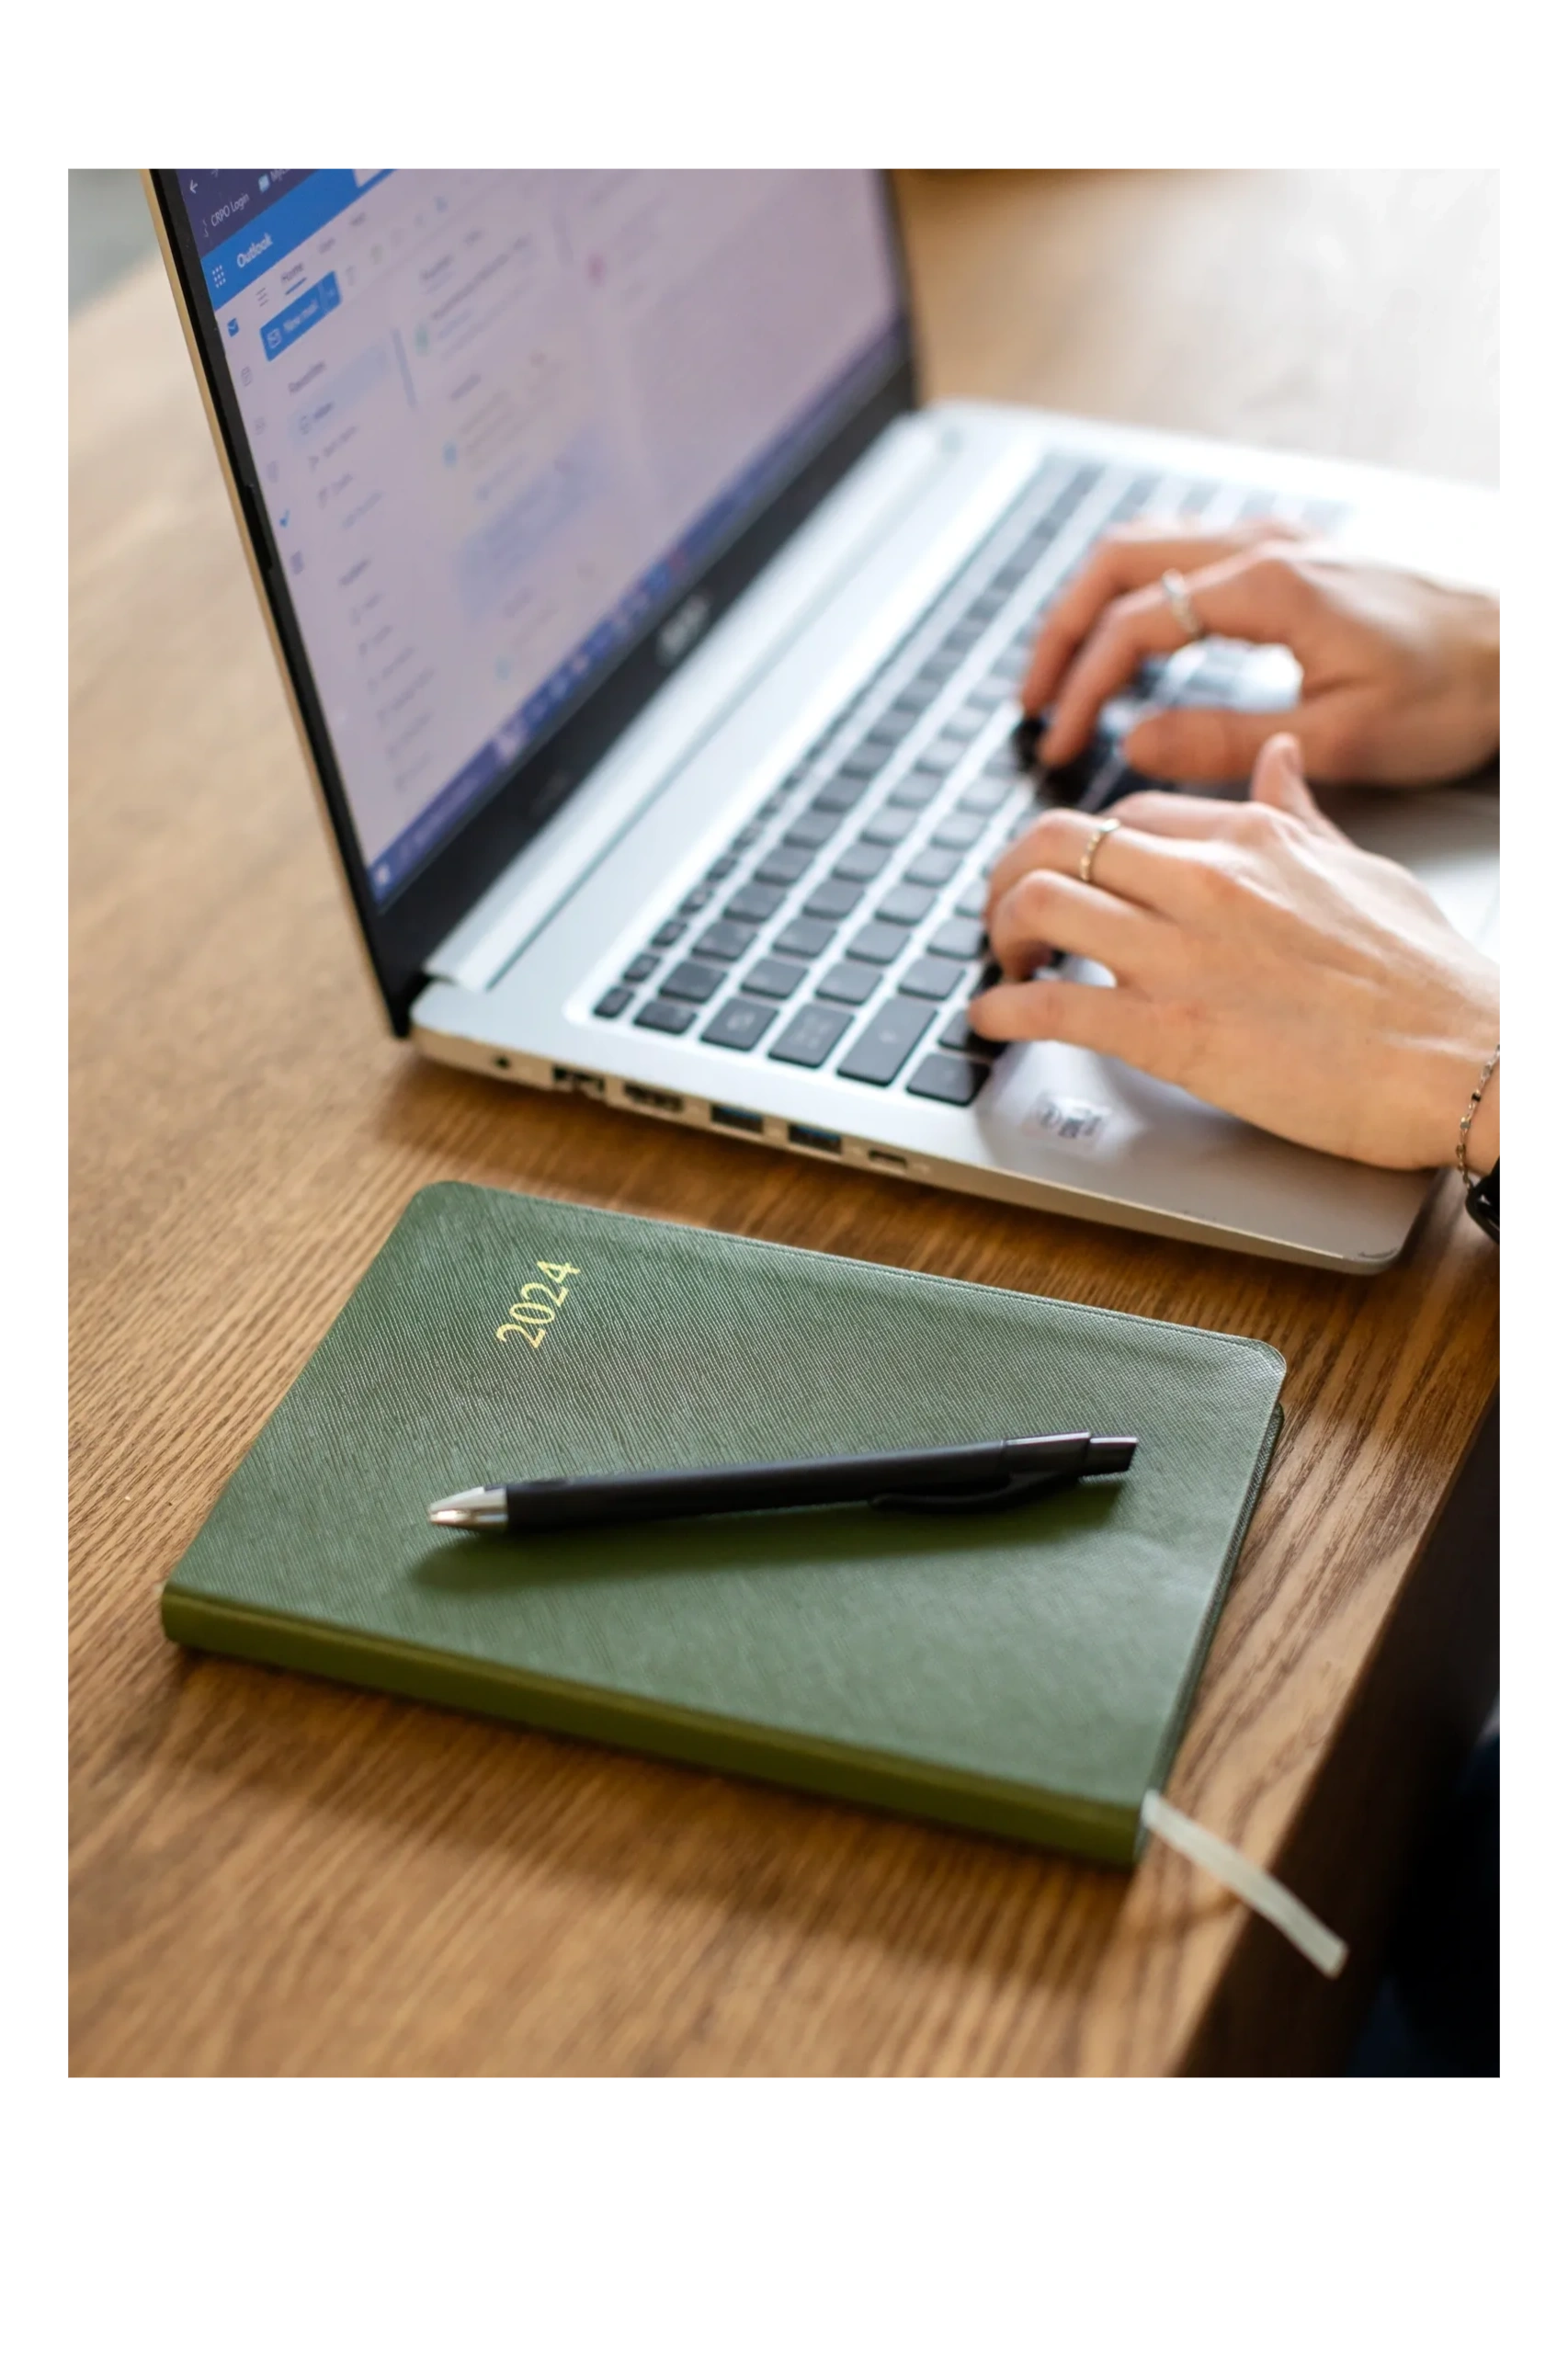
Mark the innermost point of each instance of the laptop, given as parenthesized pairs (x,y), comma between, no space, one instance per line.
(655,652)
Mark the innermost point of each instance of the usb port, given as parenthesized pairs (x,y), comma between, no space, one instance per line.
(578,1082)
(727,1115)
(653,1098)
(885,1159)
(815,1139)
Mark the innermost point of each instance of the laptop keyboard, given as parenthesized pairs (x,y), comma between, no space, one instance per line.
(840,929)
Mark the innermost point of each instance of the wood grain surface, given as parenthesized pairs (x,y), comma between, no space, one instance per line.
(273,1876)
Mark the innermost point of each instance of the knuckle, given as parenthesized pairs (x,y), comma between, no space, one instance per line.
(1041,890)
(1217,879)
(1278,566)
(1051,836)
(1258,826)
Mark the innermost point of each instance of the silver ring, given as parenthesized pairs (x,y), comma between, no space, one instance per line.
(1091,847)
(1178,597)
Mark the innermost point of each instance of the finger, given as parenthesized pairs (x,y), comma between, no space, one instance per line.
(1133,557)
(1045,912)
(1279,781)
(1125,866)
(1108,1021)
(1258,596)
(1200,747)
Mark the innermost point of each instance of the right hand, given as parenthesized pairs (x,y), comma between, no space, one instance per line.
(1399,675)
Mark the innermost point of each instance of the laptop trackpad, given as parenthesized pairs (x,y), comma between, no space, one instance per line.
(1445,835)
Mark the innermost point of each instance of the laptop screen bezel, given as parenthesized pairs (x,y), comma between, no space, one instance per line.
(404,932)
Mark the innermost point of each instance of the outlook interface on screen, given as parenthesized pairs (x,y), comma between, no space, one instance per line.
(498,418)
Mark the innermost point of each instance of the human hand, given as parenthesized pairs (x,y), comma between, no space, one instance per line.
(1399,675)
(1261,960)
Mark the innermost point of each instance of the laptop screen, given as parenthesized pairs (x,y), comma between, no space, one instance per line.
(501,421)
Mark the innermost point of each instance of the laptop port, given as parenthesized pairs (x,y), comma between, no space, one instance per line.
(815,1139)
(653,1098)
(727,1115)
(885,1159)
(578,1082)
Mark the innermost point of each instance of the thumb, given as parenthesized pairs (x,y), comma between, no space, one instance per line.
(1279,781)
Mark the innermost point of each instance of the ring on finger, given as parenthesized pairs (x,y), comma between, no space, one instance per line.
(1092,846)
(1178,597)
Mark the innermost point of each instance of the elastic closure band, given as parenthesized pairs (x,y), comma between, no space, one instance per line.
(1258,1889)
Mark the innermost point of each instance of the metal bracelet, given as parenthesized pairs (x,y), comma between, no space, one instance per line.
(1461,1150)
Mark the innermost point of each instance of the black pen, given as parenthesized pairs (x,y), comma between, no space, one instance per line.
(942,1478)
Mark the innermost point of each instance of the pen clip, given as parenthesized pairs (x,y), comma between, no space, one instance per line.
(1020,1487)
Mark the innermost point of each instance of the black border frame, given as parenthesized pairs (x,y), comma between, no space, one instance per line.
(402,934)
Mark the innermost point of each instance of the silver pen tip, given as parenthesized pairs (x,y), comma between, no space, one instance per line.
(474,1507)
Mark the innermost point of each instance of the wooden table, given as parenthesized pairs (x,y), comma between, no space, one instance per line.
(270,1875)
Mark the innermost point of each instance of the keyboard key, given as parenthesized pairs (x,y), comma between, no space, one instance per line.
(812,828)
(739,1024)
(960,831)
(695,901)
(932,869)
(802,938)
(906,904)
(696,982)
(747,835)
(773,976)
(850,983)
(668,934)
(931,977)
(861,862)
(754,902)
(725,941)
(613,1001)
(811,1036)
(665,1013)
(965,1041)
(841,792)
(878,943)
(866,760)
(722,868)
(783,865)
(986,793)
(893,727)
(961,726)
(890,827)
(886,1043)
(949,1078)
(917,789)
(833,900)
(959,937)
(640,968)
(972,902)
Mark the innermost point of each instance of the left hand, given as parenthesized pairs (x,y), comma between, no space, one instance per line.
(1261,960)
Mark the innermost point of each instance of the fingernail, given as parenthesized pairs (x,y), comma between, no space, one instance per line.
(1288,751)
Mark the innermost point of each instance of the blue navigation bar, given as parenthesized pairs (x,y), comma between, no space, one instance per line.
(307,207)
(302,315)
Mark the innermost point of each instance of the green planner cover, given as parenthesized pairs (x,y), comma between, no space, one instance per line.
(1026,1672)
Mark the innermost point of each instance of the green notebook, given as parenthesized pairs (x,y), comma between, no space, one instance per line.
(1026,1672)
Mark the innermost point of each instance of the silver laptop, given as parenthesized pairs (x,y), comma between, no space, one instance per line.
(656,653)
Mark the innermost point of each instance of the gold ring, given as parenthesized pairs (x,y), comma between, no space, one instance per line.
(1178,597)
(1091,847)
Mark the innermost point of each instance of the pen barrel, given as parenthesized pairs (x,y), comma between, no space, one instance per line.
(753,1487)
